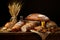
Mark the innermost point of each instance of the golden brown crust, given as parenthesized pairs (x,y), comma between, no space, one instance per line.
(37,17)
(17,26)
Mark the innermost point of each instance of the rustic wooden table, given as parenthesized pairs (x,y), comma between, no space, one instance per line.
(19,36)
(29,36)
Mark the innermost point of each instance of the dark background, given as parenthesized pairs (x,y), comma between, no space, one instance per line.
(47,7)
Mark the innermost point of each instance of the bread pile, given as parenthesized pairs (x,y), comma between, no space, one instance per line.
(33,22)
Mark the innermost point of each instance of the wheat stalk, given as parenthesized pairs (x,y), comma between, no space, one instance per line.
(14,9)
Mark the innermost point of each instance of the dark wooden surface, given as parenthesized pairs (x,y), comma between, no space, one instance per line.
(28,36)
(19,36)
